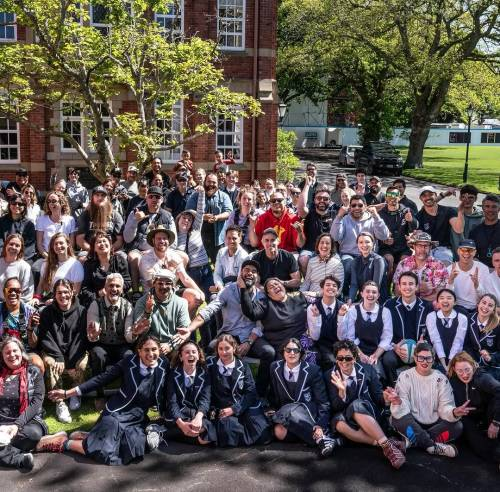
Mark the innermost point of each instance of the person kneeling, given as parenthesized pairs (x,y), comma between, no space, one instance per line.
(187,400)
(119,437)
(298,392)
(357,399)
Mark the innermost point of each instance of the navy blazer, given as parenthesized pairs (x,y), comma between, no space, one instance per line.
(128,369)
(176,400)
(396,307)
(368,386)
(243,392)
(310,391)
(475,341)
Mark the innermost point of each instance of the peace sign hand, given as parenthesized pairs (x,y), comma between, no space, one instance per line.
(463,410)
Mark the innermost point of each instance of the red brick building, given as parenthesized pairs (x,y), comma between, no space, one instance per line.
(246,34)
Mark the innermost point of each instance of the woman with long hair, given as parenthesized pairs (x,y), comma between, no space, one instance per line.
(326,262)
(33,210)
(237,416)
(101,261)
(12,264)
(119,435)
(99,216)
(60,264)
(187,399)
(15,221)
(478,392)
(482,341)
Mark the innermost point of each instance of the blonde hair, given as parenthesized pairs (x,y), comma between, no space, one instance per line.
(493,318)
(461,357)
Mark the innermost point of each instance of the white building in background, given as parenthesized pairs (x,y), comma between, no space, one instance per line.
(309,122)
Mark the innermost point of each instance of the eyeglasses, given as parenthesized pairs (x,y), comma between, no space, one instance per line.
(14,290)
(292,350)
(347,358)
(424,358)
(276,200)
(467,370)
(52,201)
(323,198)
(357,205)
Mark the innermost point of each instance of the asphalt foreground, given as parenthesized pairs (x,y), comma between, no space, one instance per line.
(277,467)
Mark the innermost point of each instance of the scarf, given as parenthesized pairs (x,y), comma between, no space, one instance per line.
(22,372)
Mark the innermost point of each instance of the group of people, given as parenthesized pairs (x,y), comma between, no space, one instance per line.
(298,312)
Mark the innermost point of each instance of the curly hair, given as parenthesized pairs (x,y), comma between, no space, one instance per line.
(177,362)
(346,345)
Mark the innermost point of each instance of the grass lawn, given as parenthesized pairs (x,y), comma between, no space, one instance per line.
(445,165)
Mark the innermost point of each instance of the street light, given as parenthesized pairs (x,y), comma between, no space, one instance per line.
(282,107)
(470,112)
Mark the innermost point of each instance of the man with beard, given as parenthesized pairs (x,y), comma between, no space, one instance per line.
(374,196)
(487,234)
(161,313)
(347,226)
(432,274)
(246,332)
(318,220)
(78,195)
(438,221)
(285,224)
(401,223)
(109,329)
(217,209)
(138,224)
(156,164)
(276,262)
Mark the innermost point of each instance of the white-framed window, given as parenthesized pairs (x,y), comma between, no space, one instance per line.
(71,123)
(173,19)
(229,137)
(169,130)
(9,141)
(8,27)
(98,18)
(106,122)
(231,24)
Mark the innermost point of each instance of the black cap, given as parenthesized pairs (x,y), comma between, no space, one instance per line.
(99,189)
(21,172)
(253,263)
(467,243)
(155,190)
(116,172)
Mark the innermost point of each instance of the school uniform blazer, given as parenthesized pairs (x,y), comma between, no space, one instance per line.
(310,391)
(396,307)
(128,369)
(369,388)
(243,390)
(475,341)
(176,400)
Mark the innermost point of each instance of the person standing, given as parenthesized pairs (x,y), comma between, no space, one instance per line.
(486,235)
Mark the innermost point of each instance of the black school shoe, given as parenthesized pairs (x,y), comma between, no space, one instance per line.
(27,463)
(328,444)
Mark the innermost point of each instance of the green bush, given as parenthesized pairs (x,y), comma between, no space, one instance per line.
(286,161)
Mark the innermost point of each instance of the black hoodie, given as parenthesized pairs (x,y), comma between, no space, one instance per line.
(63,334)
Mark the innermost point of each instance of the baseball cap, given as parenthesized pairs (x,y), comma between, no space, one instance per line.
(164,273)
(155,190)
(99,189)
(21,172)
(431,189)
(467,243)
(132,169)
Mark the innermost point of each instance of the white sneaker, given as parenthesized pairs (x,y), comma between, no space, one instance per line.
(62,413)
(441,449)
(74,403)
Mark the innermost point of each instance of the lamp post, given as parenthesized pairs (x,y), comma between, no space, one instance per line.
(470,112)
(282,107)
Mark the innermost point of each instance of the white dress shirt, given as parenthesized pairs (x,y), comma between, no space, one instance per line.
(314,323)
(226,370)
(458,341)
(292,372)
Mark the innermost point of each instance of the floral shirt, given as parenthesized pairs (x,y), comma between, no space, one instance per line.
(434,273)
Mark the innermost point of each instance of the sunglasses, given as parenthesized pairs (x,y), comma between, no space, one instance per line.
(424,358)
(52,201)
(357,205)
(292,350)
(295,193)
(19,204)
(391,194)
(347,358)
(14,290)
(154,197)
(276,200)
(28,192)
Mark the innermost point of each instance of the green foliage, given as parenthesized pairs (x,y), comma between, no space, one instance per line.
(286,160)
(75,62)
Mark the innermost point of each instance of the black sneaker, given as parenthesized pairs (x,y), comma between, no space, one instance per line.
(328,444)
(28,462)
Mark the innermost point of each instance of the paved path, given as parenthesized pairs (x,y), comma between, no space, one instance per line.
(327,164)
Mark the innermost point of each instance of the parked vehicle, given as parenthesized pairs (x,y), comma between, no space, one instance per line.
(379,157)
(346,156)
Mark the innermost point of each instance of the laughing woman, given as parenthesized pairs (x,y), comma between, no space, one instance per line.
(238,417)
(299,395)
(119,437)
(187,399)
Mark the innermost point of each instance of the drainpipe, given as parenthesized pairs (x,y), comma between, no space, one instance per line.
(255,83)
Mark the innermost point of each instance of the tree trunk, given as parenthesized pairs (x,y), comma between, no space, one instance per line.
(420,127)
